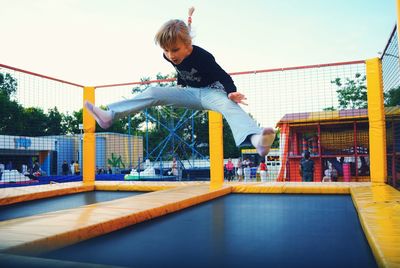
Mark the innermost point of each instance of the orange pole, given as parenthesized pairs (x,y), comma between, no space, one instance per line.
(376,118)
(89,139)
(216,146)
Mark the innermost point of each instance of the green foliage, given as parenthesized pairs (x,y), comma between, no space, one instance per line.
(115,161)
(352,93)
(392,97)
(36,120)
(11,116)
(54,120)
(230,148)
(329,109)
(31,121)
(70,123)
(8,84)
(276,142)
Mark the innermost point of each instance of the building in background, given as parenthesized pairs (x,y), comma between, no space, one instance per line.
(338,139)
(51,151)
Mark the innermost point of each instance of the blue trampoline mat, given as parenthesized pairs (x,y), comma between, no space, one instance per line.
(238,230)
(50,204)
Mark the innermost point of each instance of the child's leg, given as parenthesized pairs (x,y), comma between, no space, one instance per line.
(153,96)
(263,141)
(103,118)
(241,124)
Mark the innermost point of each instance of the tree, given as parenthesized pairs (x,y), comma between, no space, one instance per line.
(31,121)
(8,84)
(11,116)
(352,93)
(392,97)
(36,121)
(276,142)
(70,123)
(54,122)
(331,108)
(230,148)
(11,113)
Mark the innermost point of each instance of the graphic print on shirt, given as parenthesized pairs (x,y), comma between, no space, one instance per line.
(188,76)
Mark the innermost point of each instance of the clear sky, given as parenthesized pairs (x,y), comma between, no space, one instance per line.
(95,42)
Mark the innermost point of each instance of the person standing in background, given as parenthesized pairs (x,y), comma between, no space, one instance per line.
(239,169)
(307,167)
(77,170)
(229,170)
(263,170)
(65,168)
(72,168)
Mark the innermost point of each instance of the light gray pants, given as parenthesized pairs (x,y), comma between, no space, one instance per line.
(215,99)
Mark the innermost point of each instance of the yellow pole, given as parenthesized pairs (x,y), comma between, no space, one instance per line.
(89,139)
(216,150)
(376,118)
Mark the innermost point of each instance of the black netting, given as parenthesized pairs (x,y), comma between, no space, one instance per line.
(391,85)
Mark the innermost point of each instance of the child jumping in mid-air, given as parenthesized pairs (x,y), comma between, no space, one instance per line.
(202,85)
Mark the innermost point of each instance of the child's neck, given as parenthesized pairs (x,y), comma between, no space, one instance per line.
(190,50)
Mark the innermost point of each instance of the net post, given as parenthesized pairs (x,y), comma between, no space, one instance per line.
(216,148)
(376,118)
(89,139)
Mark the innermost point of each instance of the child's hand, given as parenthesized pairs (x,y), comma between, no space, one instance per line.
(237,97)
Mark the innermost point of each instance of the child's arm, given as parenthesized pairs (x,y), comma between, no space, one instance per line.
(216,72)
(223,77)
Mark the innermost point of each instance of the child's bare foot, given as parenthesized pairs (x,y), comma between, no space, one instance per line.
(267,137)
(103,118)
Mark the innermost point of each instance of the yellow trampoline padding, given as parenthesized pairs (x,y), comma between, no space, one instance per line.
(41,233)
(142,186)
(379,212)
(297,187)
(14,195)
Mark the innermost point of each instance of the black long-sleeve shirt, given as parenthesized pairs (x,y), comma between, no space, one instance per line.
(200,69)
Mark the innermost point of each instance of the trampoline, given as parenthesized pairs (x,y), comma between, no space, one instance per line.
(237,230)
(35,207)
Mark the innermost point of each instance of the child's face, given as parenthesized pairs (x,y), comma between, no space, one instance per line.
(178,52)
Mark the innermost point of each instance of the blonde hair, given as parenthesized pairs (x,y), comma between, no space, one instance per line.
(171,32)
